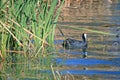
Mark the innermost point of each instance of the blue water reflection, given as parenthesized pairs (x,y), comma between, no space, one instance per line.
(89,72)
(83,72)
(85,62)
(70,52)
(116,6)
(58,41)
(103,55)
(115,18)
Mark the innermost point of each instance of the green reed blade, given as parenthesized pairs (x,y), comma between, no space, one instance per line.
(90,30)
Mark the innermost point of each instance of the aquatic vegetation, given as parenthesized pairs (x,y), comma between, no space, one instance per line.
(27,32)
(28,25)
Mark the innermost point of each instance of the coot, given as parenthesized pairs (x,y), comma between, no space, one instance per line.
(70,43)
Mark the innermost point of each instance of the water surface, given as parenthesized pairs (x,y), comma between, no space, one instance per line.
(103,60)
(103,49)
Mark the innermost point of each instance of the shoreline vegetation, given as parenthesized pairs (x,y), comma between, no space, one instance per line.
(28,25)
(27,33)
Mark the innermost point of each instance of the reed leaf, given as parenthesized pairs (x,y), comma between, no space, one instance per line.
(90,30)
(29,22)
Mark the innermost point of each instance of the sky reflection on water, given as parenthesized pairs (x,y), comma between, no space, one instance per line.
(89,72)
(85,62)
(103,55)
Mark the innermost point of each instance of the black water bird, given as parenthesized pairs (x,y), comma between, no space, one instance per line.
(76,44)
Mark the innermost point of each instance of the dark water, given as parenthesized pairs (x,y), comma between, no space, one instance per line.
(103,49)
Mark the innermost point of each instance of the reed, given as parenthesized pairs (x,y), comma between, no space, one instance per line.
(86,29)
(28,25)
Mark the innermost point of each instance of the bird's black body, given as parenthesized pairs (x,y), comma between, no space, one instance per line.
(76,44)
(72,43)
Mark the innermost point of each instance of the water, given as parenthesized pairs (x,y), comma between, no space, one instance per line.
(103,61)
(103,50)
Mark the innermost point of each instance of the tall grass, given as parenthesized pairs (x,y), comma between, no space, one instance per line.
(28,25)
